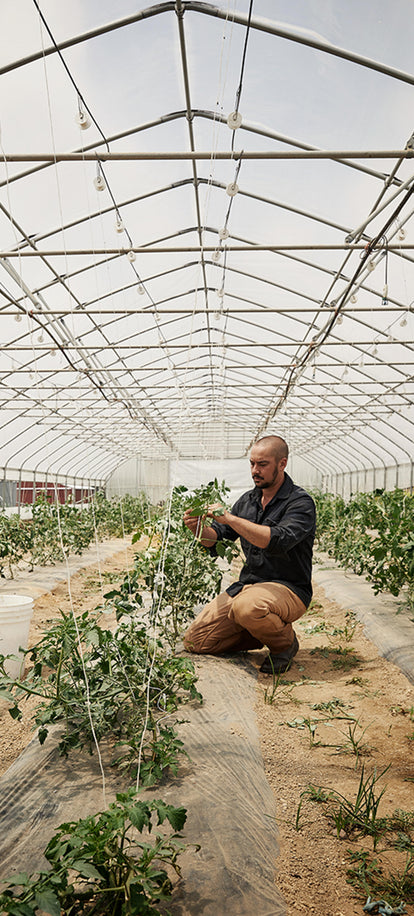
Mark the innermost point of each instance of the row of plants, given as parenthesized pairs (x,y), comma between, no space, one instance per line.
(372,534)
(120,690)
(57,530)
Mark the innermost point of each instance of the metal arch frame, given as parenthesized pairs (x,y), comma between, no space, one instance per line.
(189,5)
(332,462)
(352,467)
(392,454)
(373,449)
(241,19)
(31,455)
(375,444)
(249,127)
(313,265)
(57,330)
(99,480)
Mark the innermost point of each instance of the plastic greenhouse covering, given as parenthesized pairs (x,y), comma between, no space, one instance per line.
(206,219)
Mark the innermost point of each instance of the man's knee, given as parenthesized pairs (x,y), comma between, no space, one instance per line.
(249,606)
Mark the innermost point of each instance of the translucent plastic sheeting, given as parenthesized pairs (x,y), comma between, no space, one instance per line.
(231,808)
(235,473)
(206,223)
(387,624)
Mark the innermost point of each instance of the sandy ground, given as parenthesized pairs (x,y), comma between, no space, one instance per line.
(371,701)
(378,698)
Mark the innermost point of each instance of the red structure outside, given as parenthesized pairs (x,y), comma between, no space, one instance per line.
(51,492)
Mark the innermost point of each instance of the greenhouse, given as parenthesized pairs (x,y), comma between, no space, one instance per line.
(206,218)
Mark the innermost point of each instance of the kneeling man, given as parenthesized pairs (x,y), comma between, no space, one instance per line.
(276,525)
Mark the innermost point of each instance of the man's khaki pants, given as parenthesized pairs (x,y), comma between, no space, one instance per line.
(260,615)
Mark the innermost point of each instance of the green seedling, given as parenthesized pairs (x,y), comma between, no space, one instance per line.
(315,608)
(346,632)
(354,743)
(394,888)
(279,688)
(359,817)
(358,681)
(341,658)
(314,794)
(330,706)
(270,692)
(320,627)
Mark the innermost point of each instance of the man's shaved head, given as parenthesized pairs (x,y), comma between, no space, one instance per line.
(278,446)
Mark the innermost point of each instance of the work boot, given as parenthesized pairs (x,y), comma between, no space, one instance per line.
(277,664)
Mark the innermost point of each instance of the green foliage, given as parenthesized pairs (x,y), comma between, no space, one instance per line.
(101,684)
(368,876)
(126,687)
(16,539)
(178,573)
(57,530)
(98,864)
(371,534)
(352,817)
(118,517)
(341,657)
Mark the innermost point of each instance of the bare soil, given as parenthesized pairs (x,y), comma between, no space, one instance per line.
(301,745)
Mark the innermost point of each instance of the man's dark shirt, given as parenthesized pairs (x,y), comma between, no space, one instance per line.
(287,559)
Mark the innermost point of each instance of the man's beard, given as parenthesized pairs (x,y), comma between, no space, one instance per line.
(264,484)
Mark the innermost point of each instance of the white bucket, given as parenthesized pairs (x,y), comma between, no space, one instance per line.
(15,615)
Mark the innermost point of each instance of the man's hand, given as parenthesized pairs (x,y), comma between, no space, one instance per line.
(193,522)
(218,512)
(206,535)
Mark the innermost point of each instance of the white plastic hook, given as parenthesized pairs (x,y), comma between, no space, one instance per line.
(234,120)
(83,120)
(99,183)
(232,189)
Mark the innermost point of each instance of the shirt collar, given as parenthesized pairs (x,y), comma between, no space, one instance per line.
(282,493)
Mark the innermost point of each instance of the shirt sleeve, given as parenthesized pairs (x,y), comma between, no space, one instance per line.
(224,532)
(297,524)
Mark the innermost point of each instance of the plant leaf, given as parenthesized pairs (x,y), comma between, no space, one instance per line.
(46,900)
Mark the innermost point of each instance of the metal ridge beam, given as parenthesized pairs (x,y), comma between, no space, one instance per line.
(191,155)
(299,36)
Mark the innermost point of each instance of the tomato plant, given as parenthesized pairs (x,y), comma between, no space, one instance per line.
(99,865)
(373,533)
(56,530)
(16,540)
(131,683)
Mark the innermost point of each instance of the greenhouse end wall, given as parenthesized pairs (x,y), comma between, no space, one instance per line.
(156,478)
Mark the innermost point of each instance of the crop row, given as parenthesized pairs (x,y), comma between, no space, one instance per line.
(134,685)
(55,531)
(372,534)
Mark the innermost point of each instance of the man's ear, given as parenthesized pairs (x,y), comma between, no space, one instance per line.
(283,462)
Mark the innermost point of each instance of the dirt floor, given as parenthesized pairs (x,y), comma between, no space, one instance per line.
(339,709)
